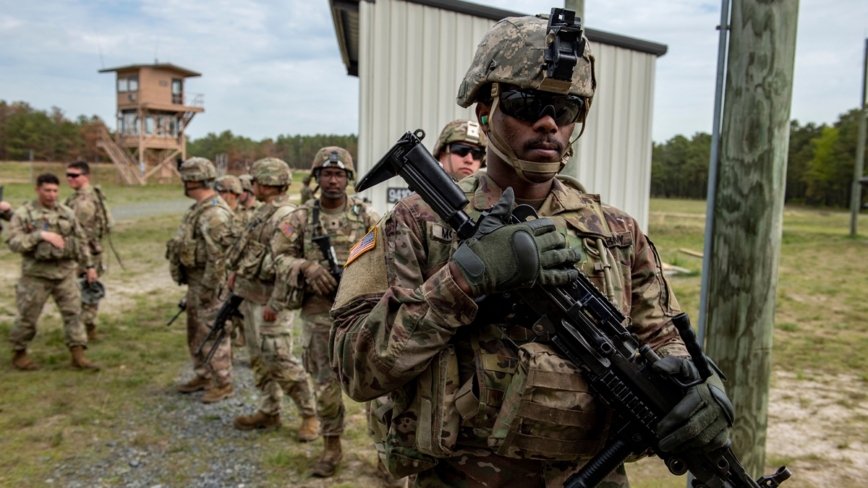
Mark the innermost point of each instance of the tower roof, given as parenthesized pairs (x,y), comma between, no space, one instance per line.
(186,73)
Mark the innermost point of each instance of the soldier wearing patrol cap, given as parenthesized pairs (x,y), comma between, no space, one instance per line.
(475,397)
(260,261)
(461,148)
(196,259)
(344,219)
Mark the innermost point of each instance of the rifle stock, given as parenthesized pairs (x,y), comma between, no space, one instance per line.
(589,331)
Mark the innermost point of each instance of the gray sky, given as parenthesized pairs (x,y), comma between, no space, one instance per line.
(274,68)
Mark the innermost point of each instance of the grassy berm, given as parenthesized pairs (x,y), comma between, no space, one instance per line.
(125,425)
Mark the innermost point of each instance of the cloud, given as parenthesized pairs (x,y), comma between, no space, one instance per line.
(273,68)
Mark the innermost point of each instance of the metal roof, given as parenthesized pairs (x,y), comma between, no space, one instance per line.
(167,66)
(345,14)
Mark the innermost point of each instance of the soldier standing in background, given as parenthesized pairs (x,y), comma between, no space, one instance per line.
(461,148)
(345,220)
(53,246)
(88,203)
(247,201)
(229,189)
(197,258)
(258,264)
(305,192)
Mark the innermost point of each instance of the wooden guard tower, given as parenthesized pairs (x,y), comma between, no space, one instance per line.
(153,111)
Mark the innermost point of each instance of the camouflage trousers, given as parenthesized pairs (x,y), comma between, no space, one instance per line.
(202,307)
(329,396)
(89,310)
(477,468)
(275,368)
(31,293)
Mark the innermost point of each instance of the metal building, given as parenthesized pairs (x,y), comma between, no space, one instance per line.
(410,57)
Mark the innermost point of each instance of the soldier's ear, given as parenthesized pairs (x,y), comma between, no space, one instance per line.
(482,114)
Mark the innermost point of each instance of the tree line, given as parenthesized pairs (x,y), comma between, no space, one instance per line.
(298,150)
(819,168)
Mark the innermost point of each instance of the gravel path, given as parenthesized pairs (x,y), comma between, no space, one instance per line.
(197,448)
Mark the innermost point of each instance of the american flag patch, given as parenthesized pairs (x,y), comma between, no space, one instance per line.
(287,229)
(366,244)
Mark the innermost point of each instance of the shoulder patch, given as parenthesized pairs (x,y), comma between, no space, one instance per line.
(364,245)
(287,229)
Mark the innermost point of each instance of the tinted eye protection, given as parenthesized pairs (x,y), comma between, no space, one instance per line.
(532,105)
(462,150)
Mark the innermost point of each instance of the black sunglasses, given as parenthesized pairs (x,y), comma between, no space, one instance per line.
(462,150)
(73,175)
(532,105)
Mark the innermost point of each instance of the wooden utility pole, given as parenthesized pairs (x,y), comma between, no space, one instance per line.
(578,6)
(859,169)
(749,212)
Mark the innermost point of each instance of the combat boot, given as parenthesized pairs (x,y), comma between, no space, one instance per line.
(196,384)
(217,393)
(22,362)
(331,457)
(81,362)
(388,479)
(92,335)
(309,430)
(259,420)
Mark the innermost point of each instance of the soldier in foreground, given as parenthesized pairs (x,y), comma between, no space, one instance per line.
(258,261)
(53,247)
(476,396)
(344,220)
(88,203)
(196,259)
(461,148)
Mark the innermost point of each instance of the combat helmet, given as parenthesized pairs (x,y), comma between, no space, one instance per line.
(228,183)
(92,292)
(332,157)
(271,172)
(529,52)
(461,131)
(197,169)
(246,182)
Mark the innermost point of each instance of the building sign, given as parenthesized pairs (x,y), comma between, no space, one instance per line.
(395,194)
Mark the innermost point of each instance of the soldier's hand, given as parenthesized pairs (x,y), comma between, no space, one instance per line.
(268,314)
(701,420)
(230,282)
(91,275)
(319,278)
(4,206)
(52,238)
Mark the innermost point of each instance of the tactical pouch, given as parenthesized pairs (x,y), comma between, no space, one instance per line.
(549,412)
(187,253)
(175,267)
(266,269)
(438,418)
(397,424)
(233,256)
(47,252)
(251,260)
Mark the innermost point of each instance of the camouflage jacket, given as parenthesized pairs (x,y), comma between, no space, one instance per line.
(243,214)
(92,215)
(345,227)
(41,259)
(399,317)
(197,252)
(259,257)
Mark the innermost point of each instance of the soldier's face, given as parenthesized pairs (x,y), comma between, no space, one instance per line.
(46,193)
(460,166)
(230,198)
(75,178)
(333,182)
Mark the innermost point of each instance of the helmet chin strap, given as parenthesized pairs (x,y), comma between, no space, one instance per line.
(522,166)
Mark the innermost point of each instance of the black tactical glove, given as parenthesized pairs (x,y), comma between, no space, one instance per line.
(505,257)
(702,419)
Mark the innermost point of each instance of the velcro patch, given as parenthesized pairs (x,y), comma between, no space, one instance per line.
(440,233)
(287,229)
(366,244)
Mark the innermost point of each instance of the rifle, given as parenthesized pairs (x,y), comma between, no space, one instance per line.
(101,199)
(325,245)
(182,304)
(227,311)
(588,330)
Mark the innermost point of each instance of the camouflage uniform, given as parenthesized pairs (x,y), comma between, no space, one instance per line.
(345,226)
(94,217)
(259,258)
(398,330)
(196,258)
(306,193)
(46,270)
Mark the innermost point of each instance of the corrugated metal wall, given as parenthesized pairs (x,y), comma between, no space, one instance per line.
(412,59)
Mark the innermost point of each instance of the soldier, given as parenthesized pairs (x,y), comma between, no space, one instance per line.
(196,258)
(344,220)
(461,148)
(247,200)
(53,246)
(259,264)
(476,398)
(306,193)
(88,203)
(229,189)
